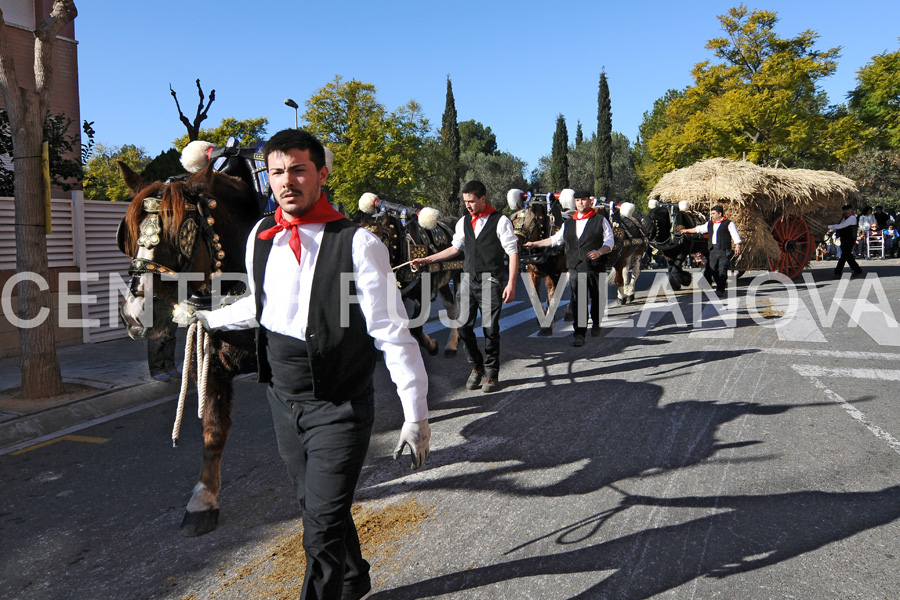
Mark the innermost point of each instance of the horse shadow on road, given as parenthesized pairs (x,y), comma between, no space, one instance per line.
(572,439)
(755,532)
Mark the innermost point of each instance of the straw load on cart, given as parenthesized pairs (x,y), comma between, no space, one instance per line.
(780,213)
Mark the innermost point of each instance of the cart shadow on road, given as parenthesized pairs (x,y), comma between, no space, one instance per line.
(755,532)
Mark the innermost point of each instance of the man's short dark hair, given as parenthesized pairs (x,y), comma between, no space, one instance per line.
(581,194)
(718,208)
(296,139)
(474,187)
(847,207)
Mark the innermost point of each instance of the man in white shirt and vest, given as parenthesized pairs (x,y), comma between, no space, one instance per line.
(846,232)
(325,301)
(587,236)
(724,233)
(491,255)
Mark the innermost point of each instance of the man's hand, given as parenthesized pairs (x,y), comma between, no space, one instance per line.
(418,263)
(200,316)
(416,435)
(509,292)
(737,248)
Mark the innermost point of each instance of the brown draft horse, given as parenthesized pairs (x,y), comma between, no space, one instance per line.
(409,233)
(537,217)
(198,226)
(625,258)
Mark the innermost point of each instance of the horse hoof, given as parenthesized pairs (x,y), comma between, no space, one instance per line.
(569,318)
(621,301)
(449,352)
(545,331)
(434,349)
(630,297)
(199,523)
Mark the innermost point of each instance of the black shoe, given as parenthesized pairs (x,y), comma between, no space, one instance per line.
(595,331)
(351,594)
(490,385)
(579,341)
(474,380)
(856,274)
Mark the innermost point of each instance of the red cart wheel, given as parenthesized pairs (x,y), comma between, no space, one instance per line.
(796,243)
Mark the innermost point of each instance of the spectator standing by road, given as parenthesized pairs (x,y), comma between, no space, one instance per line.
(587,237)
(489,242)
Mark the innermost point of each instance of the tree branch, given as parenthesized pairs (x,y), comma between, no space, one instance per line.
(63,13)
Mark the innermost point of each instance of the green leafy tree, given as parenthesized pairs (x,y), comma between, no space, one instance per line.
(559,159)
(245,131)
(876,99)
(603,164)
(450,146)
(876,173)
(624,184)
(648,170)
(762,102)
(374,150)
(499,172)
(102,178)
(65,171)
(475,137)
(166,164)
(581,158)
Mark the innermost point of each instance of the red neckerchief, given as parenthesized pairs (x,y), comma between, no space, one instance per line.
(720,220)
(321,212)
(586,215)
(488,209)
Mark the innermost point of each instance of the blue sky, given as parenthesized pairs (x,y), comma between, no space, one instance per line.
(514,65)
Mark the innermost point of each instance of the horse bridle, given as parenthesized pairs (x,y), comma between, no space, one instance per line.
(150,231)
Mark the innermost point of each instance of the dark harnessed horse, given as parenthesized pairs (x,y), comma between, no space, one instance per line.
(193,228)
(665,224)
(540,217)
(407,237)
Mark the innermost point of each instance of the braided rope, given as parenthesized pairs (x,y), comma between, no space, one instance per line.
(197,345)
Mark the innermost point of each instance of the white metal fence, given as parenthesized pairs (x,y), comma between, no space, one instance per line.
(84,236)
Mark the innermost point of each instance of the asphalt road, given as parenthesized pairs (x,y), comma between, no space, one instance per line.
(745,456)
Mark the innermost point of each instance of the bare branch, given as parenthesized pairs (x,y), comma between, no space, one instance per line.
(63,13)
(193,129)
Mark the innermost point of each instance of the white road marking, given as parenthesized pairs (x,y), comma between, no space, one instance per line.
(801,328)
(858,415)
(628,327)
(849,354)
(881,327)
(869,374)
(717,320)
(436,325)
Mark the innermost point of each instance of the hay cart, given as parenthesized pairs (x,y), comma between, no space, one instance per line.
(781,214)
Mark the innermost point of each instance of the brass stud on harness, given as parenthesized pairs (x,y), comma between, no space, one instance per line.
(210,221)
(211,204)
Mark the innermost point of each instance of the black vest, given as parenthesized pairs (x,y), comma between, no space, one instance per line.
(341,359)
(578,247)
(485,253)
(723,236)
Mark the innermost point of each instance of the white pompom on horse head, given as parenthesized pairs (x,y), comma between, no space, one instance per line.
(514,199)
(195,156)
(626,209)
(652,203)
(329,159)
(428,217)
(684,205)
(567,199)
(367,203)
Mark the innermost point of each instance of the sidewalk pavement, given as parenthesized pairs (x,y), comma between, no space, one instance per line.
(112,377)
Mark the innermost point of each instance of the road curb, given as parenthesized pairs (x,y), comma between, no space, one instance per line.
(18,432)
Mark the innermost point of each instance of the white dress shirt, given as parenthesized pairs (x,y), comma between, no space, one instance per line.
(379,301)
(732,229)
(505,232)
(609,238)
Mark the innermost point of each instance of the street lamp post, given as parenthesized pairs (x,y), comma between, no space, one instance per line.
(293,105)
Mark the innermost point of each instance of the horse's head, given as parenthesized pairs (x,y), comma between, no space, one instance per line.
(179,236)
(659,226)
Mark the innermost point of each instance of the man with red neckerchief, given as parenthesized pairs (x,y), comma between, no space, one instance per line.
(317,350)
(724,233)
(588,237)
(491,255)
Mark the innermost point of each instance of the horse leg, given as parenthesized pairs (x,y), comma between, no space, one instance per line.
(448,298)
(550,285)
(619,279)
(633,275)
(202,513)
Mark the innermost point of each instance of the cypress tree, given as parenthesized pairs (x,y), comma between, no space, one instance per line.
(603,160)
(559,160)
(579,135)
(450,145)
